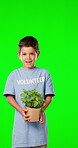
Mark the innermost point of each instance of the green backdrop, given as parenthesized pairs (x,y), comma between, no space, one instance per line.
(55,25)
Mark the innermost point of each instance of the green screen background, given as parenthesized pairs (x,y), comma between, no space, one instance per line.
(55,25)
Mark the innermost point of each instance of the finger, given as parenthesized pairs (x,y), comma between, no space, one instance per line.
(25,110)
(41,122)
(26,116)
(26,119)
(25,113)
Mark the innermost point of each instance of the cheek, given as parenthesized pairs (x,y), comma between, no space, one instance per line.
(21,58)
(35,57)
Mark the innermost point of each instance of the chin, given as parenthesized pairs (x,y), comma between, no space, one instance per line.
(29,66)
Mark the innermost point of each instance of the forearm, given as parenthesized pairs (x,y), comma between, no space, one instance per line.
(23,111)
(12,102)
(48,100)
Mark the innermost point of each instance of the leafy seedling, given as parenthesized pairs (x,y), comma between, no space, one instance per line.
(32,98)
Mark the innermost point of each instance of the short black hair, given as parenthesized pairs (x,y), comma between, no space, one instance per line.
(28,41)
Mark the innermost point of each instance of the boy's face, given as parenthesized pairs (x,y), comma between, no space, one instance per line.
(28,56)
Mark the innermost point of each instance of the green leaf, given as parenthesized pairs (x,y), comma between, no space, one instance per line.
(36,99)
(29,104)
(35,103)
(23,95)
(32,98)
(29,93)
(24,91)
(42,110)
(24,99)
(44,104)
(42,94)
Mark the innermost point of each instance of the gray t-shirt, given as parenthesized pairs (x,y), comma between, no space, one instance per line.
(28,134)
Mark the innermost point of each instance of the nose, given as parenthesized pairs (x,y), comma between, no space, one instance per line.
(28,56)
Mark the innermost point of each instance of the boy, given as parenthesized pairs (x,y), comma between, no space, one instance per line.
(28,134)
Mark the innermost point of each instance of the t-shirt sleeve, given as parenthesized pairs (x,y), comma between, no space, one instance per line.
(9,86)
(49,88)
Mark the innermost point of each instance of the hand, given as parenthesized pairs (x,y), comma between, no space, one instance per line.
(23,112)
(41,118)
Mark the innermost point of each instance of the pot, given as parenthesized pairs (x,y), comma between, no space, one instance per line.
(34,113)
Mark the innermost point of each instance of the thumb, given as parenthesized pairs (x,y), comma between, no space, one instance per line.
(25,109)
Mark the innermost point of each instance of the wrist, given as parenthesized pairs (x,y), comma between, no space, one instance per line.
(20,109)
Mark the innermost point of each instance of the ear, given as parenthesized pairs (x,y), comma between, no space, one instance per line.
(18,55)
(38,53)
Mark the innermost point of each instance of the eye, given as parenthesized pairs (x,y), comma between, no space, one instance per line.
(24,54)
(32,53)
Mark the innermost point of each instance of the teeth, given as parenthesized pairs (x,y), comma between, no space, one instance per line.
(28,61)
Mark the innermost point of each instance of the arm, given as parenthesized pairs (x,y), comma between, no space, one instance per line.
(47,102)
(12,102)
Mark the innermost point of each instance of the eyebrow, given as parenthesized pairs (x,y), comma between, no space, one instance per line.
(25,52)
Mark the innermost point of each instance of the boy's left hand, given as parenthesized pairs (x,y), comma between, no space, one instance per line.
(41,118)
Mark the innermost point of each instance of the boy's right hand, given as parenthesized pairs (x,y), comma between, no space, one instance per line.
(23,112)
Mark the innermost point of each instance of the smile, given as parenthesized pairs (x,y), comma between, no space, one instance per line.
(28,61)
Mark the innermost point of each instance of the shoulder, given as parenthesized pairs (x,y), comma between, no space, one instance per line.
(43,70)
(12,73)
(15,70)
